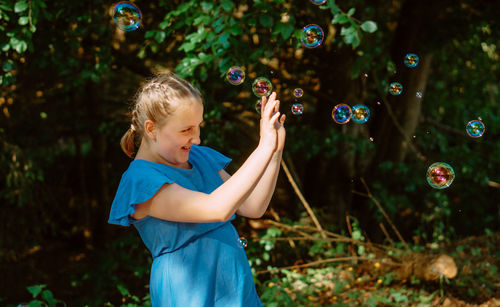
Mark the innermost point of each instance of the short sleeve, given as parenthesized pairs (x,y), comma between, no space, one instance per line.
(137,185)
(213,157)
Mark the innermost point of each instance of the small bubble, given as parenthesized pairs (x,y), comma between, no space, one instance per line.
(360,114)
(371,139)
(312,36)
(365,75)
(297,109)
(262,87)
(395,88)
(440,175)
(419,94)
(242,242)
(235,75)
(475,128)
(127,16)
(298,92)
(411,60)
(341,113)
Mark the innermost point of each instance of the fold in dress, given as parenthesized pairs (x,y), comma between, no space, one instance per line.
(194,264)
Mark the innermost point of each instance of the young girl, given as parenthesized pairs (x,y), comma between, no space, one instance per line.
(181,200)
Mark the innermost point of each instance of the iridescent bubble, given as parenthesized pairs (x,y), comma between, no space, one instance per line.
(258,106)
(312,36)
(395,88)
(297,109)
(440,175)
(242,242)
(475,128)
(262,87)
(318,2)
(235,75)
(298,92)
(127,16)
(360,114)
(341,113)
(411,60)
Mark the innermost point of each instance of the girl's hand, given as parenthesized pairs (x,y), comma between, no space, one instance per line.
(269,122)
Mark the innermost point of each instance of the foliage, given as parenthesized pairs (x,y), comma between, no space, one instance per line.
(67,75)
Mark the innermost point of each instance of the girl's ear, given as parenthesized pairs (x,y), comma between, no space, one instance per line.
(150,129)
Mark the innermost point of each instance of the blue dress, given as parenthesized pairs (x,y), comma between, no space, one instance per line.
(194,264)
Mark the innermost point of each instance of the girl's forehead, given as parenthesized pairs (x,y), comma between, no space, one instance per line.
(187,111)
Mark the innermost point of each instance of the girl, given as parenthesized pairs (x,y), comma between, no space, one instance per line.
(181,200)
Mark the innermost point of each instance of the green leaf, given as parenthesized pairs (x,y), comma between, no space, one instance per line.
(285,29)
(48,297)
(160,36)
(227,5)
(340,19)
(351,11)
(9,65)
(122,289)
(266,20)
(35,290)
(4,7)
(20,6)
(369,26)
(23,20)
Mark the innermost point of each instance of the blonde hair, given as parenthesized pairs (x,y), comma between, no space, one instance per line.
(156,100)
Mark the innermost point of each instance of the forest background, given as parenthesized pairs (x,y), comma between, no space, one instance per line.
(68,77)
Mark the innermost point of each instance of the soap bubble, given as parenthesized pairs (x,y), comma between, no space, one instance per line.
(318,2)
(242,242)
(312,36)
(127,16)
(341,113)
(297,109)
(258,106)
(395,88)
(298,92)
(419,94)
(475,128)
(235,75)
(262,87)
(440,175)
(360,114)
(411,60)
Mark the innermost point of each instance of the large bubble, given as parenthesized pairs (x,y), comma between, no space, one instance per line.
(311,36)
(318,2)
(341,113)
(440,175)
(235,75)
(262,87)
(127,16)
(360,113)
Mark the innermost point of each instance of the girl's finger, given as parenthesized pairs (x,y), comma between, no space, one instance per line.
(274,118)
(268,112)
(282,119)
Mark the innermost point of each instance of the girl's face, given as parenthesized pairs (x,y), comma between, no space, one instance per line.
(181,130)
